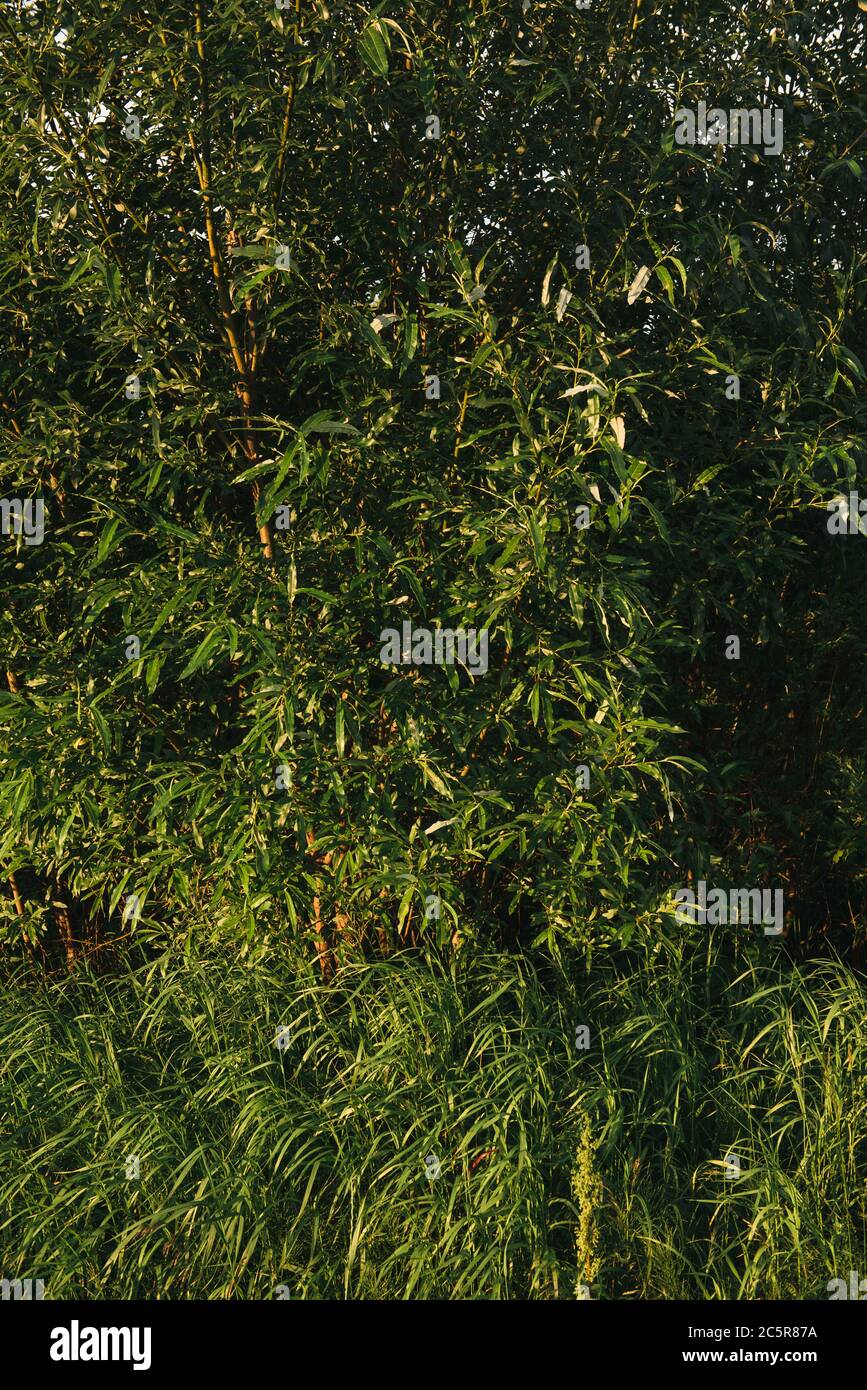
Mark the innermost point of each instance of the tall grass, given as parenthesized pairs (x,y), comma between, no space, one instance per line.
(418,1131)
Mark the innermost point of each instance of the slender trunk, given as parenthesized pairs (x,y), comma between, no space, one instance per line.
(64,925)
(229,318)
(323,945)
(16,894)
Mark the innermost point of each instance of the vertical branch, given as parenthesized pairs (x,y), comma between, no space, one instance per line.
(244,385)
(460,427)
(287,118)
(19,908)
(280,168)
(203,169)
(64,924)
(16,895)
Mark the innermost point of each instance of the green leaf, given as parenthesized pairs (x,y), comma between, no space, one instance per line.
(152,672)
(374,340)
(538,542)
(410,338)
(84,264)
(374,46)
(339,727)
(106,539)
(666,281)
(435,780)
(208,645)
(678,265)
(102,727)
(533,701)
(112,280)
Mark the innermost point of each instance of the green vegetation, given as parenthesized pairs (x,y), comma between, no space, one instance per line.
(286,373)
(305,1166)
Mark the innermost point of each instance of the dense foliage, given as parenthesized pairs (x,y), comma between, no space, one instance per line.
(421,1136)
(283,259)
(319,320)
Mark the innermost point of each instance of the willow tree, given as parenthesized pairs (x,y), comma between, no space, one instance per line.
(320,320)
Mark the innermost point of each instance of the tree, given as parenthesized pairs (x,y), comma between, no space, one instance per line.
(321,320)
